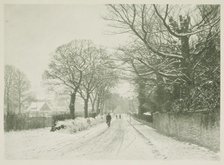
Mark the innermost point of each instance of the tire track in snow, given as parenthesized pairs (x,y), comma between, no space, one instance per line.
(108,143)
(121,143)
(106,140)
(85,142)
(132,141)
(96,144)
(114,139)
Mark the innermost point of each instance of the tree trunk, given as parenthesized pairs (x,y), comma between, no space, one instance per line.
(187,69)
(20,101)
(8,104)
(72,105)
(19,92)
(92,100)
(93,107)
(7,112)
(86,101)
(186,53)
(141,98)
(160,93)
(98,105)
(102,108)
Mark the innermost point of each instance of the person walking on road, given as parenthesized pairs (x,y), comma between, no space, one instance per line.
(108,119)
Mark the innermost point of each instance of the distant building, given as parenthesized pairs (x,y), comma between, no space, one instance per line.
(39,108)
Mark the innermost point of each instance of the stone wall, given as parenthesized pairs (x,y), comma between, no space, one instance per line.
(202,128)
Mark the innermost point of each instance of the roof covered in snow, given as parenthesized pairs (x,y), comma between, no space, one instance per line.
(39,106)
(147,113)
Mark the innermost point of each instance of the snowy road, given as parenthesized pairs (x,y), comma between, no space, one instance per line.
(125,139)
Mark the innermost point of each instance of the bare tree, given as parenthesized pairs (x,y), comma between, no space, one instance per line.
(67,68)
(16,89)
(22,87)
(174,38)
(98,77)
(9,84)
(108,80)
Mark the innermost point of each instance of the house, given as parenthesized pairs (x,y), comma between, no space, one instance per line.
(39,108)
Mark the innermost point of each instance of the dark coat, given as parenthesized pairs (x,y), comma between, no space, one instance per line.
(108,117)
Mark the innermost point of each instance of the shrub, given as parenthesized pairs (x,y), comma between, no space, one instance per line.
(74,125)
(60,117)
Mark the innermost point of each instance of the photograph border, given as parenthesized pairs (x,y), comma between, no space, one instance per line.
(112,162)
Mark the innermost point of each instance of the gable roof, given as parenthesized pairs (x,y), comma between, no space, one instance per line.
(39,106)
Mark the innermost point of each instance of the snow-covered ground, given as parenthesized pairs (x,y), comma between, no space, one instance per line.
(126,139)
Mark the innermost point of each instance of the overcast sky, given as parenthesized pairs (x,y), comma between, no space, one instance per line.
(33,32)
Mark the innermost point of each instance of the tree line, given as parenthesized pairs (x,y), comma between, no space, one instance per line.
(16,90)
(174,54)
(82,68)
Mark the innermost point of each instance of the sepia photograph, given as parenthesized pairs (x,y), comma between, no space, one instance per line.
(115,81)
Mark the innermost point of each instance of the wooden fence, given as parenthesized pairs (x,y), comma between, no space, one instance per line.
(25,121)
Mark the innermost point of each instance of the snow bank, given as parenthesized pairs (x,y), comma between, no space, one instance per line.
(78,124)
